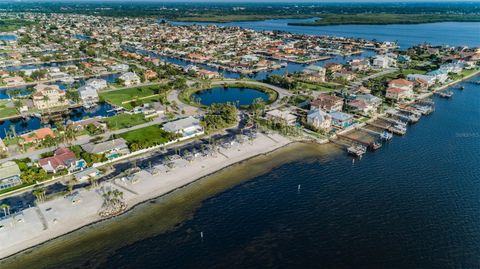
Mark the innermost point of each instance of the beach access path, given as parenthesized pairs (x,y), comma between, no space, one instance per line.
(61,215)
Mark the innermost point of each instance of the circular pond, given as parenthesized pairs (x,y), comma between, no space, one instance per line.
(221,95)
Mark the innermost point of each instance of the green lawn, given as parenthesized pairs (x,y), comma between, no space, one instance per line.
(122,97)
(413,71)
(146,137)
(7,111)
(125,121)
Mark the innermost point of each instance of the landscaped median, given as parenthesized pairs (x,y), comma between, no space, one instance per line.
(186,96)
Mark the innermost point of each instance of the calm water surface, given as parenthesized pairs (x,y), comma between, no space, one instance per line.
(221,95)
(413,204)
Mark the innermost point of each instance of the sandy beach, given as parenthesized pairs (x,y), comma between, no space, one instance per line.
(54,218)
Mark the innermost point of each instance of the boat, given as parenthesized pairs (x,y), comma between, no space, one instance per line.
(386,135)
(398,129)
(375,145)
(445,94)
(357,150)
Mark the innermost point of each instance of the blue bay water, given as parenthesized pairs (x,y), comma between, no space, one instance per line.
(221,95)
(412,204)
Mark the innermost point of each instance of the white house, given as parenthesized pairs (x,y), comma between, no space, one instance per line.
(319,119)
(97,83)
(88,95)
(383,61)
(281,116)
(186,127)
(130,78)
(119,68)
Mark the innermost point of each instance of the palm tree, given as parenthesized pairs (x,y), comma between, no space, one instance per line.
(39,194)
(6,209)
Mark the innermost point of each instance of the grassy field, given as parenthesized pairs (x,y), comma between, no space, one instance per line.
(125,121)
(320,86)
(388,18)
(127,97)
(12,25)
(7,111)
(146,137)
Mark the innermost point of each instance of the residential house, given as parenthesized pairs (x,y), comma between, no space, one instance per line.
(119,68)
(37,135)
(97,83)
(401,84)
(280,116)
(333,67)
(81,124)
(383,62)
(130,79)
(398,94)
(319,119)
(361,107)
(370,99)
(14,81)
(48,96)
(359,65)
(149,75)
(346,75)
(9,175)
(430,80)
(207,74)
(187,127)
(340,119)
(328,103)
(88,95)
(112,148)
(63,158)
(440,75)
(314,73)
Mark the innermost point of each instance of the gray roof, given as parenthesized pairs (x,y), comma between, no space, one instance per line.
(86,172)
(105,146)
(179,125)
(9,169)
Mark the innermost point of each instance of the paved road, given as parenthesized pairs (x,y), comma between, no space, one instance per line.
(379,74)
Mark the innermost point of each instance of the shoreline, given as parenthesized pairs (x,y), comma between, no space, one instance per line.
(12,249)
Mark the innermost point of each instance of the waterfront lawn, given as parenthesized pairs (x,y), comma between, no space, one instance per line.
(147,137)
(7,111)
(124,121)
(319,86)
(413,71)
(128,97)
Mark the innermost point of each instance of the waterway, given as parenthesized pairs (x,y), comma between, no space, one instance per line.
(24,125)
(407,35)
(411,204)
(221,95)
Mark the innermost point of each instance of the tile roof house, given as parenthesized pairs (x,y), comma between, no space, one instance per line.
(398,94)
(47,96)
(328,103)
(37,135)
(401,84)
(63,158)
(130,78)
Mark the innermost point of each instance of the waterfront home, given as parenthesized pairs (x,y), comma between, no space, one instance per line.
(383,62)
(63,158)
(361,107)
(129,79)
(149,75)
(3,147)
(333,67)
(207,74)
(97,83)
(328,103)
(401,84)
(81,124)
(346,75)
(370,99)
(37,135)
(359,65)
(88,95)
(9,175)
(14,81)
(398,94)
(319,119)
(314,73)
(119,68)
(284,117)
(340,119)
(112,148)
(440,75)
(85,175)
(429,80)
(402,58)
(187,127)
(48,96)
